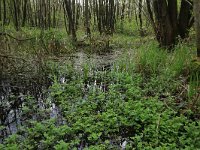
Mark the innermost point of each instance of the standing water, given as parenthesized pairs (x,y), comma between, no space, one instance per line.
(21,98)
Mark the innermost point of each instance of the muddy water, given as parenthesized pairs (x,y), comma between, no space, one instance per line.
(95,60)
(14,91)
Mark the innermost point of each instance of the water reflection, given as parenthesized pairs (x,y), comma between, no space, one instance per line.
(24,99)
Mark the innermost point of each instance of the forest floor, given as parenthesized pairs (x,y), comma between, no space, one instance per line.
(129,94)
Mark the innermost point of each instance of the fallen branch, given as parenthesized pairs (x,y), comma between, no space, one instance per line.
(11,57)
(6,34)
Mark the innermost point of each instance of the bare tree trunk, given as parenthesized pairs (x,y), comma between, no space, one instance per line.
(173,15)
(49,14)
(105,13)
(54,16)
(185,18)
(140,17)
(164,28)
(16,14)
(0,11)
(4,13)
(70,12)
(111,18)
(129,10)
(24,13)
(166,21)
(30,14)
(87,23)
(123,14)
(197,24)
(151,15)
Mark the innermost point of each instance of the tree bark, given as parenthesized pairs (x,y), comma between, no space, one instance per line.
(166,22)
(4,13)
(173,15)
(185,18)
(87,23)
(16,15)
(197,24)
(70,10)
(140,17)
(0,11)
(24,13)
(164,31)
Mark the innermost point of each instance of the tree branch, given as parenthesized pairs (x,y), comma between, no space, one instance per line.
(6,34)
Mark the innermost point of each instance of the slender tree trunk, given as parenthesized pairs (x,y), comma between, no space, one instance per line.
(16,15)
(77,12)
(140,17)
(70,10)
(112,9)
(164,27)
(173,16)
(24,13)
(0,11)
(30,14)
(197,24)
(4,13)
(151,18)
(123,14)
(49,14)
(129,10)
(54,16)
(87,23)
(185,18)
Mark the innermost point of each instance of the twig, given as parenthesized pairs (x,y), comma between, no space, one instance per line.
(169,107)
(157,128)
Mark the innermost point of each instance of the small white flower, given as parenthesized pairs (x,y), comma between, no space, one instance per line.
(124,145)
(62,80)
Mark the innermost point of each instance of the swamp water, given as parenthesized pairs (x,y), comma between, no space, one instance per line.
(24,98)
